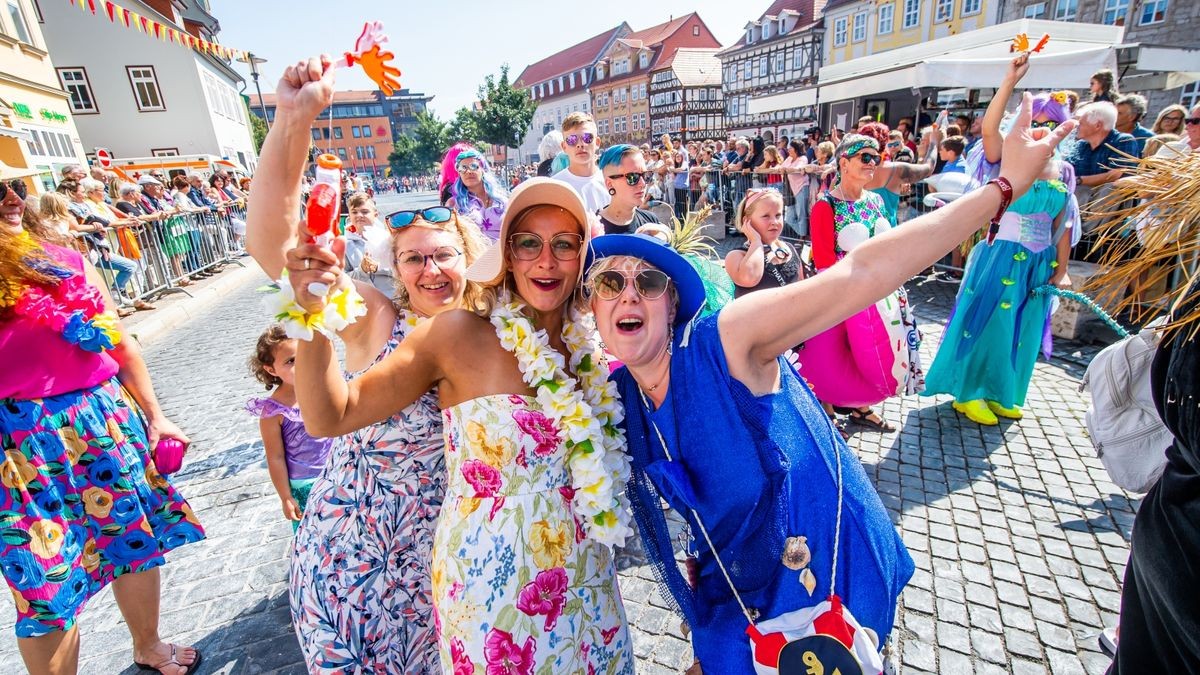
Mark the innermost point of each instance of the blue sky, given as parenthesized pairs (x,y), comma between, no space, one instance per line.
(446,48)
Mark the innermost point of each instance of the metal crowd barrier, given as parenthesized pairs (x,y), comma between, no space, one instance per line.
(153,258)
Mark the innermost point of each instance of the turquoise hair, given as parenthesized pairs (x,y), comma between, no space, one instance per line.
(615,154)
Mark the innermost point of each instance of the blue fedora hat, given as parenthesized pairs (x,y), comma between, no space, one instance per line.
(656,252)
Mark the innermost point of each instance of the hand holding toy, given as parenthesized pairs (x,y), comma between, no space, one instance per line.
(1021,44)
(375,62)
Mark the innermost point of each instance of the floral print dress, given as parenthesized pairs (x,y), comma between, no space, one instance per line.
(360,564)
(517,587)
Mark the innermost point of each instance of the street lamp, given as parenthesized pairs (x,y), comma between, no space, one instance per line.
(254,61)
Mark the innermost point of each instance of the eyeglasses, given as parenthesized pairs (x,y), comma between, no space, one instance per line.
(609,284)
(633,177)
(1048,124)
(469,166)
(528,246)
(433,214)
(869,158)
(1173,118)
(18,186)
(414,261)
(1192,120)
(575,139)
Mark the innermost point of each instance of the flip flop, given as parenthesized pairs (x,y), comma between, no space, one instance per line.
(174,661)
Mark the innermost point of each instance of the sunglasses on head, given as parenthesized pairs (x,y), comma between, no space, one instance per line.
(1048,124)
(609,284)
(18,186)
(1192,120)
(632,178)
(575,139)
(433,214)
(528,246)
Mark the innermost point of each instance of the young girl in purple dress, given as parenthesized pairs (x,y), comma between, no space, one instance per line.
(294,458)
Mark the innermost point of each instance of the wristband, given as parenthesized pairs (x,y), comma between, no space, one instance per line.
(1006,196)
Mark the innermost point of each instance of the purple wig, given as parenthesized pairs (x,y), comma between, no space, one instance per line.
(1055,105)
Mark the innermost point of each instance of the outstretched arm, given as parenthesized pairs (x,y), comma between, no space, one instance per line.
(992,140)
(757,328)
(272,220)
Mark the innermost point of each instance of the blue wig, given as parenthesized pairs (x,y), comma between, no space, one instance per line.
(463,199)
(616,153)
(561,161)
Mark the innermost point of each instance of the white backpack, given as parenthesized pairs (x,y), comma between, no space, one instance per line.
(1130,438)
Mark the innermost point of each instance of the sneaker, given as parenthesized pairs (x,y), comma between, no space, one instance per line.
(978,412)
(1108,641)
(1013,413)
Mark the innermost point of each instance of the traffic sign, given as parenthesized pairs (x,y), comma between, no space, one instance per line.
(104,158)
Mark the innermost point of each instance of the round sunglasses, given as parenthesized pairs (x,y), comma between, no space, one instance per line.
(528,246)
(609,284)
(17,185)
(433,214)
(575,139)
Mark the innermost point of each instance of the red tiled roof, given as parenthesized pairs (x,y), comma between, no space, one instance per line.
(572,58)
(810,12)
(656,34)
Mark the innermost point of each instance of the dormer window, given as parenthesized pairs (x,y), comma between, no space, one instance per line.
(782,25)
(644,60)
(599,71)
(749,36)
(766,30)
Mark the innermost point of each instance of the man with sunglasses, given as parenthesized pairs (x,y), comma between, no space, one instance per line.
(580,143)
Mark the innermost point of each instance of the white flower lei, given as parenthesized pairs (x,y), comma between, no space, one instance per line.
(587,414)
(343,306)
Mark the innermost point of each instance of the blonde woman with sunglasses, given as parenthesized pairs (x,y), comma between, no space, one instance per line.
(383,485)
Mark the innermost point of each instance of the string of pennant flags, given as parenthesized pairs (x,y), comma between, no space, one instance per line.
(143,24)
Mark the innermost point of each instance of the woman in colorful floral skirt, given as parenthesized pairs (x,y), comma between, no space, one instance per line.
(81,503)
(360,569)
(523,577)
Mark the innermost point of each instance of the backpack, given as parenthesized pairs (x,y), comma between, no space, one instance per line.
(1130,437)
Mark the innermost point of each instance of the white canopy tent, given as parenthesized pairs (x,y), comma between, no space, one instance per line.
(978,59)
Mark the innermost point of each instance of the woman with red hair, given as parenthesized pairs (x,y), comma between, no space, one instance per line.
(891,176)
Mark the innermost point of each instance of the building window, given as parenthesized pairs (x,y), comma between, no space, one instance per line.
(1115,12)
(1035,11)
(75,82)
(18,19)
(860,27)
(337,133)
(643,60)
(748,71)
(164,152)
(972,7)
(839,31)
(370,152)
(145,88)
(780,62)
(886,15)
(1154,11)
(355,131)
(766,30)
(945,10)
(749,36)
(1189,96)
(798,59)
(762,66)
(912,13)
(342,153)
(1064,10)
(366,131)
(695,31)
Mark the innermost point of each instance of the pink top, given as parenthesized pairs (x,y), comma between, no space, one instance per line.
(39,362)
(796,180)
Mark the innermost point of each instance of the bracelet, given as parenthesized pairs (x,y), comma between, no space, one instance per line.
(342,307)
(1006,196)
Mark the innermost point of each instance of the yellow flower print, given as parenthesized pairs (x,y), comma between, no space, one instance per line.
(467,506)
(495,455)
(438,582)
(75,445)
(114,431)
(46,538)
(16,471)
(97,502)
(90,559)
(550,544)
(21,603)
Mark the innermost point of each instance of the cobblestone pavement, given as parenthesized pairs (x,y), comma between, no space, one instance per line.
(1020,539)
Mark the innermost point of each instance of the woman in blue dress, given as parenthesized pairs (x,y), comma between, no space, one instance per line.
(722,429)
(998,325)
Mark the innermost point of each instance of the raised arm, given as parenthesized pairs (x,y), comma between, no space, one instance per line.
(904,172)
(746,268)
(758,327)
(990,127)
(272,220)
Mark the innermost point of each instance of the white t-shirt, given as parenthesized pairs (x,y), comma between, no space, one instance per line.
(1179,148)
(590,188)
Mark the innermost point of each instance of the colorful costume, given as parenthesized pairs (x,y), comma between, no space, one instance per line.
(518,584)
(81,502)
(998,326)
(716,429)
(360,568)
(874,354)
(305,455)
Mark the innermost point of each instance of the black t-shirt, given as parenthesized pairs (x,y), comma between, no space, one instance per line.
(640,218)
(544,168)
(130,208)
(775,275)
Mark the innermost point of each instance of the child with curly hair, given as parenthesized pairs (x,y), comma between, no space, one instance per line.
(294,458)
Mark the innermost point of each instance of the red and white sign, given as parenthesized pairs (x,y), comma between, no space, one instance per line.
(104,158)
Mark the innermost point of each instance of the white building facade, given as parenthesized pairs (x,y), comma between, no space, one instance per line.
(139,96)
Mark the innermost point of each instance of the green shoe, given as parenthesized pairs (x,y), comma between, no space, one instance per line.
(977,411)
(1013,413)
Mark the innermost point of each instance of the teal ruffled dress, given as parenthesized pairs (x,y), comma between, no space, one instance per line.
(992,341)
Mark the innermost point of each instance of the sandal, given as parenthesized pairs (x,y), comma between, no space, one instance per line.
(174,661)
(143,306)
(863,418)
(840,427)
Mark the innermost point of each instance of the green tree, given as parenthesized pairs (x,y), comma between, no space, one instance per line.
(464,126)
(431,139)
(258,128)
(505,111)
(403,158)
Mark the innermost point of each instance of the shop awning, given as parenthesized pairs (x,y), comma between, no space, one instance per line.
(785,101)
(978,59)
(15,133)
(1146,67)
